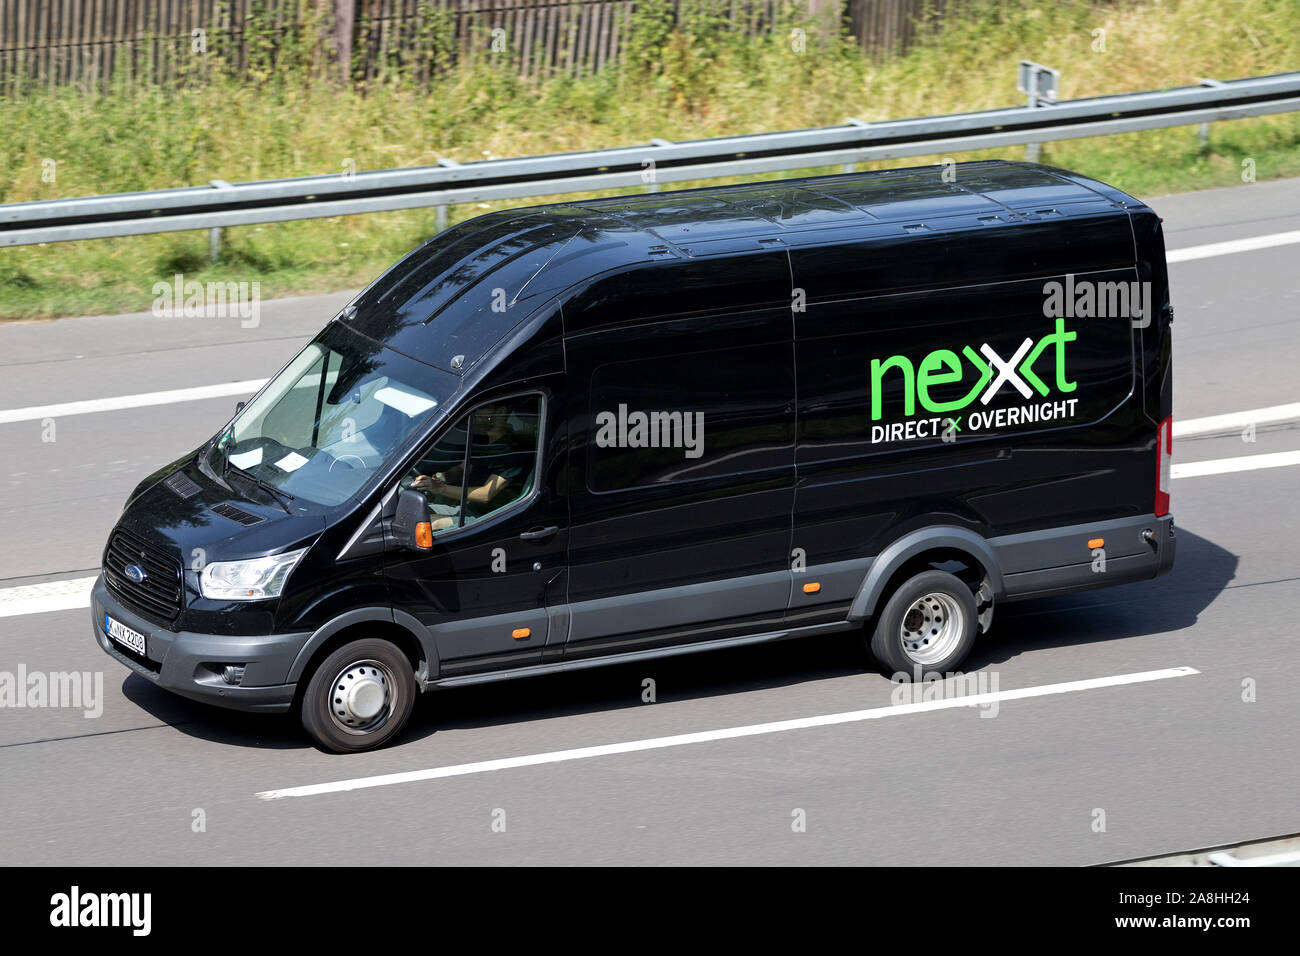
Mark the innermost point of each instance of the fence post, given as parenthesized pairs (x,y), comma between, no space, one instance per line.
(342,31)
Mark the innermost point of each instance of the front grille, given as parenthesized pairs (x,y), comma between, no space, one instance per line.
(158,596)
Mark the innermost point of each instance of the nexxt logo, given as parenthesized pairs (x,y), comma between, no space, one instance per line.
(993,372)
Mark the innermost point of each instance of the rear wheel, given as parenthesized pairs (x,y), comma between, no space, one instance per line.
(928,626)
(359,697)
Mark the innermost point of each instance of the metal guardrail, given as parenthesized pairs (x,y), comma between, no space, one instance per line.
(450,183)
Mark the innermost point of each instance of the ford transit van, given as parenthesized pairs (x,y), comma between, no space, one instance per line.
(612,430)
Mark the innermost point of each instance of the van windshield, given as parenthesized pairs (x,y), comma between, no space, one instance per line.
(330,418)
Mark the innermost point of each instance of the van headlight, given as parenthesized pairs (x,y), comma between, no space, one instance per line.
(251,580)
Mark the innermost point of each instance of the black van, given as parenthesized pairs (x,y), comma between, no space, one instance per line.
(619,429)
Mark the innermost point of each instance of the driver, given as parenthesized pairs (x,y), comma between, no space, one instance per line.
(500,464)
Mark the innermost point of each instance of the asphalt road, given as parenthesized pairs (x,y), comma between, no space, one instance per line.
(1170,764)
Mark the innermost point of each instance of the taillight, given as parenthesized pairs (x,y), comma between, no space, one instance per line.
(1164,460)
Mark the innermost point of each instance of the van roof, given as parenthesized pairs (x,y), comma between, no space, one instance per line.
(492,265)
(914,194)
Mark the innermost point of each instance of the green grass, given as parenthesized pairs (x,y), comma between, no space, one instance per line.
(700,81)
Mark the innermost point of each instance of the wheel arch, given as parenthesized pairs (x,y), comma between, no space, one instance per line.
(918,549)
(397,626)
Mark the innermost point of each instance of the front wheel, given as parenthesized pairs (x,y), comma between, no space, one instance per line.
(928,626)
(359,697)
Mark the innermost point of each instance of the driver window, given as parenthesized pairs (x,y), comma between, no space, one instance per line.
(501,439)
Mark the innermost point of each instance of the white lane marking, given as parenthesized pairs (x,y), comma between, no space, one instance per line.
(1234,421)
(729,733)
(130,401)
(1223,466)
(1276,859)
(66,595)
(1211,249)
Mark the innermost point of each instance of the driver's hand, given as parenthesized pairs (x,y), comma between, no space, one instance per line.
(426,483)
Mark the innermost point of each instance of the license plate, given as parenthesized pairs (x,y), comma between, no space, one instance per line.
(124,635)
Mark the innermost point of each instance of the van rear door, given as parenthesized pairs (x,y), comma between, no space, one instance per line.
(978,371)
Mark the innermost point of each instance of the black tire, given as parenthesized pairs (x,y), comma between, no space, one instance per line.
(933,599)
(342,689)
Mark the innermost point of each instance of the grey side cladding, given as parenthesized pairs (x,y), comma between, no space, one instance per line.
(678,606)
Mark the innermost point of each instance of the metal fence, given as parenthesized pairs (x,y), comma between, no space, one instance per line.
(223,204)
(536,36)
(88,42)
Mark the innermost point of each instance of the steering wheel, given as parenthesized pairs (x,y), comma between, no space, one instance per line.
(340,458)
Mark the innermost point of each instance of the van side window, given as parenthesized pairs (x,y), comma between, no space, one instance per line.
(484,462)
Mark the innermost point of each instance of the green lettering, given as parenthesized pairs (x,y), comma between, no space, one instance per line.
(1061,336)
(985,370)
(928,375)
(1027,366)
(1057,338)
(944,367)
(878,369)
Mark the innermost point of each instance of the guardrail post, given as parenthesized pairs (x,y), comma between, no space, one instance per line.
(214,234)
(1203,129)
(853,121)
(1040,85)
(653,185)
(440,211)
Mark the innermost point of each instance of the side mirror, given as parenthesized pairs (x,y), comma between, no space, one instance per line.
(411,524)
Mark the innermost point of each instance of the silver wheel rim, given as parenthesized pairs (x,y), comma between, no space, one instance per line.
(362,697)
(932,627)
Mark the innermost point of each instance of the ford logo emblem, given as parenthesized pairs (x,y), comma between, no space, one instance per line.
(135,573)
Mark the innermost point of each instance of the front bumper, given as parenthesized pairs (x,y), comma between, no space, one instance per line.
(190,664)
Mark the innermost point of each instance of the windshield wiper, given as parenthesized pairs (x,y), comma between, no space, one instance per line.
(282,497)
(224,442)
